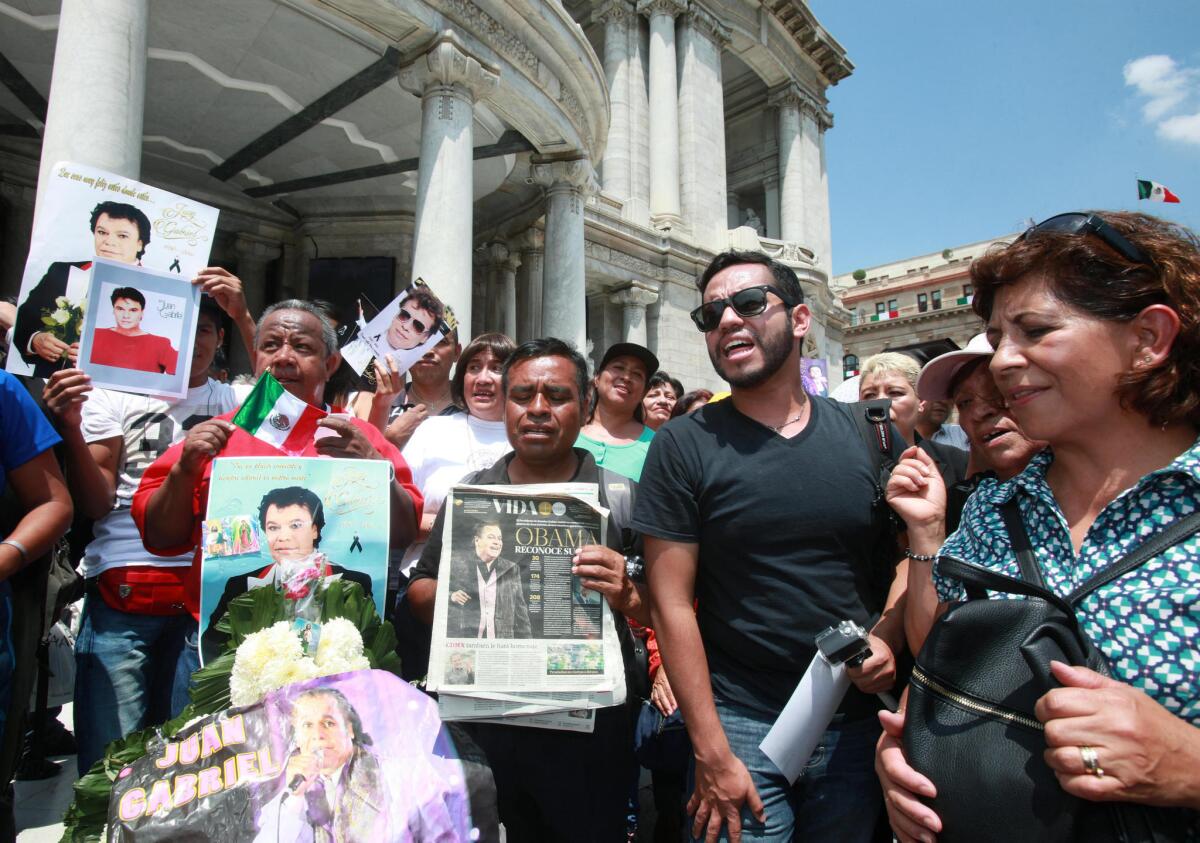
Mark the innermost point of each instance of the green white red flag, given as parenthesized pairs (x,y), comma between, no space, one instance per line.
(273,415)
(1155,192)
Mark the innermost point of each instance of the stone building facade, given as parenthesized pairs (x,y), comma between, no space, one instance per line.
(561,167)
(905,303)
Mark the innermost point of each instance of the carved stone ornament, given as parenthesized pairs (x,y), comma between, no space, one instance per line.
(707,23)
(650,8)
(448,65)
(634,295)
(616,11)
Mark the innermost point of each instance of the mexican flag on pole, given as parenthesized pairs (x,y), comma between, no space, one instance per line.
(1155,192)
(275,416)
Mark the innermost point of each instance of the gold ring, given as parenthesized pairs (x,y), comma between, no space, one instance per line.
(1091,761)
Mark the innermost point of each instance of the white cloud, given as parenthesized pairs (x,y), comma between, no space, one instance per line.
(1184,128)
(1168,89)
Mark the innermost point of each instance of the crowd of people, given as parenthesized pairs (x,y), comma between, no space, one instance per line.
(742,526)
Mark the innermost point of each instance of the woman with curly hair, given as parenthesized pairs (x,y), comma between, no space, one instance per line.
(1095,322)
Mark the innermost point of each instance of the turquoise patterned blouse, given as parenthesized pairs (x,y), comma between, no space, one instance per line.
(1146,622)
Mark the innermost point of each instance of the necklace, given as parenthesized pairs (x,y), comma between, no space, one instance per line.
(437,404)
(793,419)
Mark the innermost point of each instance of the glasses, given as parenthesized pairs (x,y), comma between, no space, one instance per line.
(748,302)
(405,316)
(1078,223)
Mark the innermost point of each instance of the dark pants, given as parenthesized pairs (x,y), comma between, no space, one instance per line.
(557,786)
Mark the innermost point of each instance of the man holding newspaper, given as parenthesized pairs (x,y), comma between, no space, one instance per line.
(544,384)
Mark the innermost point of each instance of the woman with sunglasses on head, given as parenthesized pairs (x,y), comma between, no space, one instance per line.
(1095,321)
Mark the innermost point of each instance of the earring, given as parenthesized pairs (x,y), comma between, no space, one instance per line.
(1147,359)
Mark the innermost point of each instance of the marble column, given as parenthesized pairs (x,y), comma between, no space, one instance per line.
(618,17)
(502,269)
(787,101)
(97,88)
(634,300)
(253,256)
(637,208)
(702,126)
(772,201)
(531,245)
(817,121)
(664,116)
(449,80)
(568,184)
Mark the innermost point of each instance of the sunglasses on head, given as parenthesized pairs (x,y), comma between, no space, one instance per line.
(748,302)
(1079,223)
(405,316)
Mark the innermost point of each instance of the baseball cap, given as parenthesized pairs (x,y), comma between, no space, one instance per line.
(933,384)
(630,349)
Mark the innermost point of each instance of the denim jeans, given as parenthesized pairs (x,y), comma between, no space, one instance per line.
(131,671)
(837,798)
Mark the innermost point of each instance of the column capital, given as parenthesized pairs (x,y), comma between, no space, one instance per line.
(709,25)
(614,11)
(791,95)
(634,294)
(448,64)
(576,174)
(529,240)
(255,248)
(500,255)
(671,8)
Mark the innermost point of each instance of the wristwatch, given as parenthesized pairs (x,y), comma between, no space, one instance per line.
(635,568)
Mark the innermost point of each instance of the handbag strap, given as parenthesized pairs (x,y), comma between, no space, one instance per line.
(1161,541)
(1019,538)
(975,578)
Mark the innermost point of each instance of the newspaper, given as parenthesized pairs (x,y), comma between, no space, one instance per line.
(516,637)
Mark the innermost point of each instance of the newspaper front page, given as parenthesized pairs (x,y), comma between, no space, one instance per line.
(516,638)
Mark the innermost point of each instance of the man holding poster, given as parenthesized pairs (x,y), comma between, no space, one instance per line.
(297,346)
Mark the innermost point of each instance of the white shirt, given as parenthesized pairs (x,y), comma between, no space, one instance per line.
(444,450)
(148,426)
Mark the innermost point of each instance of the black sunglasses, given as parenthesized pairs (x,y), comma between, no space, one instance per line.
(405,316)
(1079,223)
(748,302)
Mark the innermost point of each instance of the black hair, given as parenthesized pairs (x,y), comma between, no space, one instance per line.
(549,347)
(349,714)
(660,377)
(123,211)
(483,525)
(294,496)
(501,346)
(785,278)
(131,293)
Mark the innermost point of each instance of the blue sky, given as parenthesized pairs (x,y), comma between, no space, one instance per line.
(963,119)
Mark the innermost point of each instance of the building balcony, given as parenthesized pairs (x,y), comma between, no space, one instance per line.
(910,312)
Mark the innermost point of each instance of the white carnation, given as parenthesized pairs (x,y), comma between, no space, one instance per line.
(340,649)
(266,660)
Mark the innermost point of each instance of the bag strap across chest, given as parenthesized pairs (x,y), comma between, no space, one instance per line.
(975,578)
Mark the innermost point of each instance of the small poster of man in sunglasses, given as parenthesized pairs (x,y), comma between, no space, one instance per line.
(411,324)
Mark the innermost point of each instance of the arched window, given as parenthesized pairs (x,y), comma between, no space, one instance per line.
(849,365)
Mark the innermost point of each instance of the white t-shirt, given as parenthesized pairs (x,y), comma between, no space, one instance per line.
(444,450)
(148,425)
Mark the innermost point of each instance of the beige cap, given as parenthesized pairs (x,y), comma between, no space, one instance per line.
(933,384)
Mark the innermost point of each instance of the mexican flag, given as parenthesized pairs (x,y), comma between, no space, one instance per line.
(275,416)
(1155,192)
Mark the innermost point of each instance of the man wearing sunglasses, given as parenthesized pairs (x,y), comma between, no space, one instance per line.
(761,511)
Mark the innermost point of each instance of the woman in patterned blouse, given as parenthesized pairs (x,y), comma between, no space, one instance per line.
(1095,321)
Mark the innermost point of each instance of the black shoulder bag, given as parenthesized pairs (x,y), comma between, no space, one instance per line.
(970,726)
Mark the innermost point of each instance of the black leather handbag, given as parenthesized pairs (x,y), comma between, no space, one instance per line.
(970,726)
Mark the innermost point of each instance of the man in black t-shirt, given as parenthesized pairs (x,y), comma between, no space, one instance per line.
(761,511)
(553,785)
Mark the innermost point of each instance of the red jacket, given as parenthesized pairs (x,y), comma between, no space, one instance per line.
(240,444)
